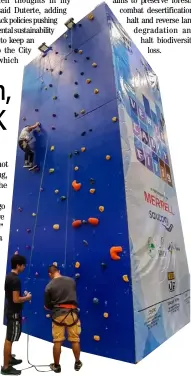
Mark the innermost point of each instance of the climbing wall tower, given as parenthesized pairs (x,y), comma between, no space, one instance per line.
(102,204)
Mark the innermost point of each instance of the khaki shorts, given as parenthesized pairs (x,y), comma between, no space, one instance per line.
(73,332)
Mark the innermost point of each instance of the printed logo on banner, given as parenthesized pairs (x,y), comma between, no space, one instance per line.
(158,203)
(171,281)
(146,126)
(151,247)
(161,218)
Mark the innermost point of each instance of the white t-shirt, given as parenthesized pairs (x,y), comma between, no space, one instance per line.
(25,134)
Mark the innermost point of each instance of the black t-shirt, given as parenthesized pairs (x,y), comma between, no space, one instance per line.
(12,283)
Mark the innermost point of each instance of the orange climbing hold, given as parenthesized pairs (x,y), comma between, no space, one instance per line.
(108,157)
(76,186)
(106,315)
(56,227)
(92,190)
(125,278)
(76,223)
(88,81)
(77,265)
(97,338)
(114,252)
(83,149)
(93,221)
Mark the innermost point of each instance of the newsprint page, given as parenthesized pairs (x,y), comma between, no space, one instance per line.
(95,203)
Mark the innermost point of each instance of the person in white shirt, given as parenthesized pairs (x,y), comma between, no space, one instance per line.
(24,143)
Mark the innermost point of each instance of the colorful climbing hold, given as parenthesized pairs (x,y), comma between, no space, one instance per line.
(76,83)
(77,276)
(33,214)
(76,223)
(97,338)
(87,58)
(36,109)
(82,73)
(52,148)
(76,168)
(41,189)
(83,133)
(88,81)
(54,115)
(36,274)
(77,265)
(51,170)
(20,209)
(76,186)
(94,65)
(80,52)
(96,91)
(114,251)
(55,263)
(95,300)
(56,227)
(24,119)
(16,252)
(92,190)
(108,157)
(85,242)
(45,88)
(114,119)
(106,315)
(92,181)
(101,209)
(75,114)
(76,152)
(48,316)
(84,222)
(28,247)
(83,149)
(56,191)
(125,278)
(76,95)
(53,128)
(60,72)
(83,112)
(28,230)
(63,198)
(91,17)
(55,97)
(93,221)
(103,265)
(76,50)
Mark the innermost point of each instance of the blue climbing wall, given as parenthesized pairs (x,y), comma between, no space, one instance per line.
(37,207)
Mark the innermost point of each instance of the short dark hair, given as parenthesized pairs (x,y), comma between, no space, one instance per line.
(53,269)
(17,260)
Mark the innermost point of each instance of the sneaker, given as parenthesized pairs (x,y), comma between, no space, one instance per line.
(56,369)
(14,361)
(78,365)
(31,167)
(10,371)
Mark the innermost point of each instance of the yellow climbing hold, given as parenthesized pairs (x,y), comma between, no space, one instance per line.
(101,209)
(83,149)
(51,170)
(80,52)
(97,338)
(88,81)
(77,265)
(56,227)
(106,315)
(76,168)
(96,91)
(91,17)
(92,190)
(94,65)
(52,148)
(125,278)
(56,191)
(108,157)
(55,264)
(34,214)
(114,119)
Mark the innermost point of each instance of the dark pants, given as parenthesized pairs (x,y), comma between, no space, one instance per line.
(29,153)
(14,327)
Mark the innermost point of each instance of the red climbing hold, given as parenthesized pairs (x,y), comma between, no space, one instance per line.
(93,221)
(76,223)
(76,186)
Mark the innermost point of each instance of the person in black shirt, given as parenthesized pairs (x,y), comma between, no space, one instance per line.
(13,312)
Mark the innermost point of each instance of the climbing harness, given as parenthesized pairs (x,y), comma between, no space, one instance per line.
(72,310)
